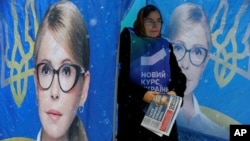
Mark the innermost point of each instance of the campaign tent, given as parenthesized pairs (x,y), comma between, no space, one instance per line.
(222,91)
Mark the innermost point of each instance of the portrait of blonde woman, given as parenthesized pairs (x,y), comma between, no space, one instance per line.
(62,77)
(189,31)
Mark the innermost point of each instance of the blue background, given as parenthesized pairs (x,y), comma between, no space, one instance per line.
(19,22)
(224,86)
(225,83)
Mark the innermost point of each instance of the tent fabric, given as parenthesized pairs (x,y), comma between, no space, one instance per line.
(222,92)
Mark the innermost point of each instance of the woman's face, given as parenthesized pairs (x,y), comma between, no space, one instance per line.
(152,24)
(193,39)
(57,109)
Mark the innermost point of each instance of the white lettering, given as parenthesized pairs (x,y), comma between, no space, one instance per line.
(239,132)
(155,74)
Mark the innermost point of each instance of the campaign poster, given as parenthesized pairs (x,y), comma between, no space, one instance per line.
(215,60)
(19,23)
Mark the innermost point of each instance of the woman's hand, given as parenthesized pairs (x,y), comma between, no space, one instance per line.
(149,96)
(161,99)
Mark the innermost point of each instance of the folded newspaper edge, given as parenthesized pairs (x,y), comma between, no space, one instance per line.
(160,118)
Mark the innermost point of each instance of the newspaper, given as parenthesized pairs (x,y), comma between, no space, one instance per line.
(160,118)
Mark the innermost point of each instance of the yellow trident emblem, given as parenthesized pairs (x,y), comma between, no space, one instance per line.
(14,57)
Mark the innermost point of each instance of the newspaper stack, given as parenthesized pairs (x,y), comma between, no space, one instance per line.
(160,118)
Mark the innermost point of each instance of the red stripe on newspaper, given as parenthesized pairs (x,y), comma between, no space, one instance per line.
(166,120)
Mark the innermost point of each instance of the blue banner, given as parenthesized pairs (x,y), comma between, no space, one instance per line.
(147,67)
(19,21)
(218,93)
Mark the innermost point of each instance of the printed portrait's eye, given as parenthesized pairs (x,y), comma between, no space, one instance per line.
(66,70)
(46,69)
(178,47)
(179,51)
(199,51)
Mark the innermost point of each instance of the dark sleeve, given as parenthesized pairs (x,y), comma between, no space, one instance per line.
(128,93)
(178,79)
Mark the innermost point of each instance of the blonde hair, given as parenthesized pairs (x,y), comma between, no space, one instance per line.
(66,23)
(188,14)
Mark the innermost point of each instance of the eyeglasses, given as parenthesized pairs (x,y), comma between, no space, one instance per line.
(68,75)
(151,22)
(197,54)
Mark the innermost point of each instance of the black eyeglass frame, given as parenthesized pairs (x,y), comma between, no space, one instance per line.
(79,71)
(189,50)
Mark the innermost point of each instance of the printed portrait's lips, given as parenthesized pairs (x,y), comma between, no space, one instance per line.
(54,114)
